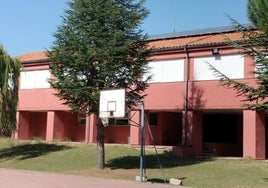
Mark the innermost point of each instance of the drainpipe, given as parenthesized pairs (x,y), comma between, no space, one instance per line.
(185,125)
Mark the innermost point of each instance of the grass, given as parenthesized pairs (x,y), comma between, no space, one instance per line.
(122,162)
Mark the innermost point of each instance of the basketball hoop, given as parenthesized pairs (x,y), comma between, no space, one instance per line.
(105,121)
(112,103)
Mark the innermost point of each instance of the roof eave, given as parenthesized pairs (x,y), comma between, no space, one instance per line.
(192,46)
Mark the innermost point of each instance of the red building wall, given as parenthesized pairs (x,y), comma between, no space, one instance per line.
(41,114)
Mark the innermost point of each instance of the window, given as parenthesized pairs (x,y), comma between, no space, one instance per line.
(81,120)
(230,65)
(34,79)
(118,121)
(166,71)
(153,118)
(260,62)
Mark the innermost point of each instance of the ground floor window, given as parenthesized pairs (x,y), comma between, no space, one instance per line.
(153,118)
(81,120)
(118,121)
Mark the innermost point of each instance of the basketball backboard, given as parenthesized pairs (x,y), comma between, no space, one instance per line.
(112,103)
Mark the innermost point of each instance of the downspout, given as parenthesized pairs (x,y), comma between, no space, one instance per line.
(186,105)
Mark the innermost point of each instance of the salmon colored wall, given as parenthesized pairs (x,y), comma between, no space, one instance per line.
(194,131)
(202,95)
(164,96)
(39,99)
(66,127)
(211,95)
(37,123)
(78,133)
(171,123)
(134,130)
(254,134)
(36,66)
(23,128)
(117,134)
(208,94)
(168,55)
(92,128)
(51,116)
(203,52)
(168,130)
(249,66)
(157,135)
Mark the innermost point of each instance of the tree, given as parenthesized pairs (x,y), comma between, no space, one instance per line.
(9,71)
(254,44)
(99,46)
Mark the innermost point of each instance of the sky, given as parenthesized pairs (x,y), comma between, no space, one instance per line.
(28,25)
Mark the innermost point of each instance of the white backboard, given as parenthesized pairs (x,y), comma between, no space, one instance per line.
(112,103)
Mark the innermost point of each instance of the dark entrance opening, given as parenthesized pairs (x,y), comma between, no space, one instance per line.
(222,134)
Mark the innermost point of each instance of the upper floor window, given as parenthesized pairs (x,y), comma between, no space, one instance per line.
(230,65)
(260,64)
(166,70)
(34,79)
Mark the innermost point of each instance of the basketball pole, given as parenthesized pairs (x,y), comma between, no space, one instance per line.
(142,142)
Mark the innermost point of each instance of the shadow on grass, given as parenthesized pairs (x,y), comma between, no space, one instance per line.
(157,180)
(29,150)
(167,160)
(165,181)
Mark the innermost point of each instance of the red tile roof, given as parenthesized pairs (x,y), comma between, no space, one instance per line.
(32,56)
(163,43)
(195,40)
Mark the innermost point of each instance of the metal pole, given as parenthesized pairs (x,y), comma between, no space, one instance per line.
(184,140)
(142,142)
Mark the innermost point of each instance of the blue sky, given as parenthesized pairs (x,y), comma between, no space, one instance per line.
(28,25)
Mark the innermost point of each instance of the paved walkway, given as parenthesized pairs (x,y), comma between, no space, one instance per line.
(31,179)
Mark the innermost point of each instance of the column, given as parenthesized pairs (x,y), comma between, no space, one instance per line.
(254,134)
(135,129)
(50,125)
(193,131)
(87,128)
(92,128)
(22,131)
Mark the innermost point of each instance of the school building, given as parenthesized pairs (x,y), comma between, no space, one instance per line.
(186,106)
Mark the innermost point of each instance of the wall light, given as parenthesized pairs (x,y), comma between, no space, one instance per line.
(215,51)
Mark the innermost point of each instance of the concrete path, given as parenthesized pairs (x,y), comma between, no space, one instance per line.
(30,179)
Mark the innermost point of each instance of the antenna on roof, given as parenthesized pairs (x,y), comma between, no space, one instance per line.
(174,11)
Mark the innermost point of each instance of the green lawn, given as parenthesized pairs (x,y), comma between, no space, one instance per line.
(123,162)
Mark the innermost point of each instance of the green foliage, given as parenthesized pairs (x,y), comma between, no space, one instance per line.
(255,45)
(9,70)
(99,46)
(258,14)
